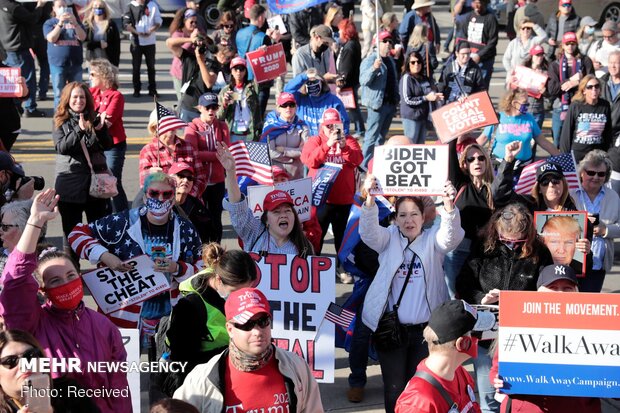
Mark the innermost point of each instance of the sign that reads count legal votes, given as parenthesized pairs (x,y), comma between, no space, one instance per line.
(299,291)
(457,118)
(267,64)
(114,290)
(560,344)
(410,169)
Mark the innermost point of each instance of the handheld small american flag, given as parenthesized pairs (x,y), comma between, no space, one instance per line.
(167,121)
(528,175)
(252,160)
(339,315)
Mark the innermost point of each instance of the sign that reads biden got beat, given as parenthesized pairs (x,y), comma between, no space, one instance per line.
(457,118)
(300,190)
(410,169)
(299,291)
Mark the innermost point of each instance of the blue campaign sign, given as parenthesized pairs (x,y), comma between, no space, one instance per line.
(291,6)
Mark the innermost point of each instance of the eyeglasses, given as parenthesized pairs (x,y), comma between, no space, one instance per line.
(288,105)
(547,181)
(479,158)
(6,227)
(262,322)
(596,86)
(415,62)
(600,174)
(188,177)
(609,37)
(212,107)
(10,362)
(152,193)
(227,26)
(239,68)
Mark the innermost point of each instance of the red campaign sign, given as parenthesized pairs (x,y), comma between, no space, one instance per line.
(529,80)
(267,63)
(9,82)
(346,95)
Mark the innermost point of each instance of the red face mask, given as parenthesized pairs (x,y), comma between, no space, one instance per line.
(469,346)
(67,296)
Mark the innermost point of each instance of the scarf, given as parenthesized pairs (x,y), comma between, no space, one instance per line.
(276,126)
(245,362)
(564,75)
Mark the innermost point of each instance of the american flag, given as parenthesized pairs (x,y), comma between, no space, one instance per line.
(252,160)
(339,315)
(528,175)
(167,121)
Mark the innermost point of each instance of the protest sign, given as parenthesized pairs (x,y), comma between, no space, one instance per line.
(299,291)
(347,98)
(267,64)
(291,6)
(560,344)
(493,309)
(529,80)
(410,169)
(275,22)
(299,189)
(9,82)
(131,341)
(114,290)
(560,232)
(323,182)
(476,111)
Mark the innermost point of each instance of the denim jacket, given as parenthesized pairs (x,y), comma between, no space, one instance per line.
(373,82)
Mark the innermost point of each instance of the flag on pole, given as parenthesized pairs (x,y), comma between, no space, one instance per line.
(252,160)
(528,175)
(167,121)
(339,315)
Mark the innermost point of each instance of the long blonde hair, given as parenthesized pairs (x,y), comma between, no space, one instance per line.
(89,15)
(419,36)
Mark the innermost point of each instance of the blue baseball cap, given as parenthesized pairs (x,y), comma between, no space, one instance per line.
(208,99)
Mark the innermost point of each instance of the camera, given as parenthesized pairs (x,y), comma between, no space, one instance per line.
(39,182)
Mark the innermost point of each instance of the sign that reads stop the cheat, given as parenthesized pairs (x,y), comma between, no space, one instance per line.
(455,119)
(267,62)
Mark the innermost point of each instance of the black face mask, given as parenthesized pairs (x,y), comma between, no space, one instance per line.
(322,48)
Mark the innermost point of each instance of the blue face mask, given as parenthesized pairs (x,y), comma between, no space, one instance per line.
(314,87)
(589,31)
(159,208)
(99,11)
(523,108)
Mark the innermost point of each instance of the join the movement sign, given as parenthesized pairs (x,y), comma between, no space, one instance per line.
(563,344)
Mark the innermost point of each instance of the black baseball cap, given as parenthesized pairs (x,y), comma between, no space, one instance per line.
(549,168)
(8,164)
(455,318)
(552,273)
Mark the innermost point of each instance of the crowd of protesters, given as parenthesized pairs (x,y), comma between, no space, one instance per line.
(456,250)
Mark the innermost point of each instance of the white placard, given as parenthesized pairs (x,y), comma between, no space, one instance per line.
(299,189)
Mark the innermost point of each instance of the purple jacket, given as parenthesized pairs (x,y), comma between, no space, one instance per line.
(81,333)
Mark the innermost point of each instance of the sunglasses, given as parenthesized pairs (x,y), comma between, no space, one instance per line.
(590,87)
(415,62)
(11,361)
(6,227)
(188,177)
(227,26)
(333,127)
(156,194)
(516,241)
(597,173)
(288,105)
(263,322)
(387,41)
(239,68)
(212,107)
(479,158)
(547,181)
(567,5)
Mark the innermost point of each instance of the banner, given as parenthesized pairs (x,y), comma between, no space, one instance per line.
(529,80)
(560,344)
(300,190)
(299,291)
(323,182)
(131,342)
(291,6)
(410,169)
(560,232)
(267,64)
(9,82)
(276,23)
(347,98)
(114,290)
(476,111)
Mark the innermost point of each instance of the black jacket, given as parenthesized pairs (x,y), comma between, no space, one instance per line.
(349,63)
(112,37)
(501,268)
(302,21)
(16,25)
(581,120)
(487,46)
(471,83)
(554,84)
(571,25)
(615,107)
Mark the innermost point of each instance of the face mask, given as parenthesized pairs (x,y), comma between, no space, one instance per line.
(469,346)
(512,244)
(589,31)
(159,208)
(67,296)
(99,11)
(314,87)
(323,48)
(61,11)
(523,108)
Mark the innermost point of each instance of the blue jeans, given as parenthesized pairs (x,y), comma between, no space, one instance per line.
(539,118)
(188,115)
(358,353)
(115,158)
(556,125)
(415,130)
(23,59)
(482,367)
(61,76)
(487,71)
(453,262)
(378,125)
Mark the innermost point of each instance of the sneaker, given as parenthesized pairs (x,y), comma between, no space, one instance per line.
(42,98)
(355,394)
(136,93)
(34,114)
(346,278)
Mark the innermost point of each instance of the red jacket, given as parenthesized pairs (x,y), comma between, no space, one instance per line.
(195,134)
(316,153)
(112,103)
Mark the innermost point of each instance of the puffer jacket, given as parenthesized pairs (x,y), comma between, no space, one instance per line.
(502,269)
(81,333)
(431,246)
(570,25)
